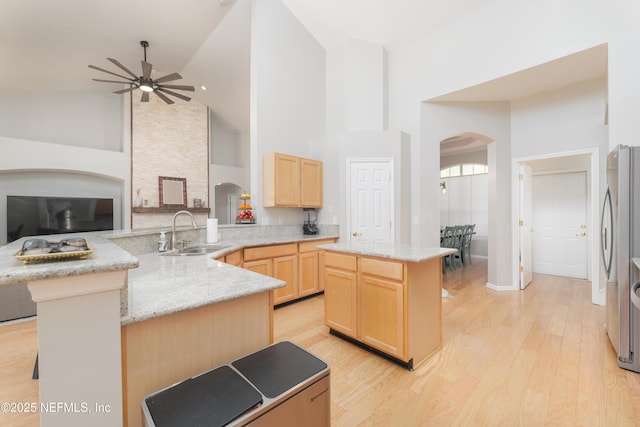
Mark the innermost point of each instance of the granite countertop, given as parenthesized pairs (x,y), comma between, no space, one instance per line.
(392,251)
(636,261)
(263,241)
(168,284)
(106,257)
(165,284)
(158,284)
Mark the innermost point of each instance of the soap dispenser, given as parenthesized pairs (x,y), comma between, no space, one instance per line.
(162,243)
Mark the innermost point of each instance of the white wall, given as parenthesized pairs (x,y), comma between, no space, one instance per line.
(567,119)
(492,120)
(356,87)
(527,34)
(224,141)
(90,120)
(287,95)
(335,149)
(48,168)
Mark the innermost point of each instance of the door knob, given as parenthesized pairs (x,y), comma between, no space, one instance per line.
(356,234)
(583,226)
(581,234)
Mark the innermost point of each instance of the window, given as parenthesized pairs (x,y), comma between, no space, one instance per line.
(464,170)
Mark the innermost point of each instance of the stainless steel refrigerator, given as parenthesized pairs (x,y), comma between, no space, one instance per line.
(620,242)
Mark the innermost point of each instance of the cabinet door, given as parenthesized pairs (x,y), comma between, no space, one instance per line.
(382,315)
(340,301)
(234,258)
(281,180)
(310,183)
(308,283)
(286,268)
(262,266)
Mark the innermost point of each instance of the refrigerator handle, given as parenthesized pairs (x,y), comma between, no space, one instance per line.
(635,299)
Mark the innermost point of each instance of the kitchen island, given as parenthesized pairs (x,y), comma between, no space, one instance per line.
(387,298)
(114,327)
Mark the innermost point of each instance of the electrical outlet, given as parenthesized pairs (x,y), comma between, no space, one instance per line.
(280,221)
(335,220)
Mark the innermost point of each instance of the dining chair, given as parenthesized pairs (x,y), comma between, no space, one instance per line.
(465,252)
(459,243)
(449,240)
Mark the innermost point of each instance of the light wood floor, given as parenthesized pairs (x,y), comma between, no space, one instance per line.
(534,357)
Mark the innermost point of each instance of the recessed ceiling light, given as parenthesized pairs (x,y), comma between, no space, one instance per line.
(203,87)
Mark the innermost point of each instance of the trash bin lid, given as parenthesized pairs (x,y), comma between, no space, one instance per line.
(277,368)
(214,398)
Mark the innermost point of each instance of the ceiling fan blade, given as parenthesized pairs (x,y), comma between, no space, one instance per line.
(179,87)
(177,95)
(169,77)
(145,97)
(130,89)
(113,74)
(111,81)
(146,69)
(163,97)
(122,67)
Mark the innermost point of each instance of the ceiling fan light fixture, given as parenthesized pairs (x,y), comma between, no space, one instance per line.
(146,87)
(144,82)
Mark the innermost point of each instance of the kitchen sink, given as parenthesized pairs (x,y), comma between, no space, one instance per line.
(198,250)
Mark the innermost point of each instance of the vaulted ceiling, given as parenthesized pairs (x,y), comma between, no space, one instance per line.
(45,45)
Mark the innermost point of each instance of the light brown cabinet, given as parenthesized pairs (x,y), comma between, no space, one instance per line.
(285,268)
(311,261)
(233,258)
(310,183)
(382,315)
(279,261)
(340,293)
(297,264)
(392,306)
(290,181)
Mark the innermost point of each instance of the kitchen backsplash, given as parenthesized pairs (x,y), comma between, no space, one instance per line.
(145,241)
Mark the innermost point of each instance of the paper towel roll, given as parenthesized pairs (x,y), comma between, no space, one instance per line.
(212,230)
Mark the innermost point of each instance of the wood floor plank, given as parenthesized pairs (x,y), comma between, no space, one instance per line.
(525,358)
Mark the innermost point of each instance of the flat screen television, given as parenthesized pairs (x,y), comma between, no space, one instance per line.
(41,215)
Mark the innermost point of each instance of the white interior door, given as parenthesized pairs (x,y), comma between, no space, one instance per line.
(526,226)
(560,223)
(371,200)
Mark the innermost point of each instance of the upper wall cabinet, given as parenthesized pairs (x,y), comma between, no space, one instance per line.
(290,181)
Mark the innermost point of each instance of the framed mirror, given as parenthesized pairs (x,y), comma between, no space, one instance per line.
(173,192)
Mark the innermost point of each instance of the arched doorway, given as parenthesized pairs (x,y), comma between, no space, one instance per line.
(464,198)
(227,195)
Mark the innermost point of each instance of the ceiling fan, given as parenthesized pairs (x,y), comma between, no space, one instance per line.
(145,82)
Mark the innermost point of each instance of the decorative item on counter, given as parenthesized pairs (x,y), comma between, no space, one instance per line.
(137,202)
(163,243)
(38,250)
(245,216)
(197,203)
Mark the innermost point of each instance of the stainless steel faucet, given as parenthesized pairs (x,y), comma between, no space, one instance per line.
(173,226)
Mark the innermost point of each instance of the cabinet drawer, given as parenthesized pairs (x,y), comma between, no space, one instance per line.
(389,269)
(262,252)
(311,246)
(344,262)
